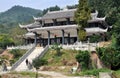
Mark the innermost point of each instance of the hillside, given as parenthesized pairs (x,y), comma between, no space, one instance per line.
(17,14)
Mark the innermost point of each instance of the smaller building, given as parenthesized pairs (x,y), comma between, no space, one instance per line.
(60,27)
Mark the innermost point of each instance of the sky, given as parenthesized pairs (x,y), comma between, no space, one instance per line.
(36,4)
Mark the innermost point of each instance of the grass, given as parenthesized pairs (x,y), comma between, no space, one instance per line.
(31,74)
(27,74)
(116,74)
(17,54)
(54,60)
(93,72)
(62,63)
(69,55)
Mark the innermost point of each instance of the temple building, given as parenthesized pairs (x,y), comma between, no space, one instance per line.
(60,27)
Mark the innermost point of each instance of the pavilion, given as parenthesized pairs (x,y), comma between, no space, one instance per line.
(60,27)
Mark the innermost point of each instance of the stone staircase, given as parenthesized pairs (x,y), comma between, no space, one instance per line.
(36,52)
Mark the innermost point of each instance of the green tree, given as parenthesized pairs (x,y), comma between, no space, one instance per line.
(5,40)
(54,8)
(83,58)
(109,53)
(103,6)
(17,35)
(37,62)
(82,15)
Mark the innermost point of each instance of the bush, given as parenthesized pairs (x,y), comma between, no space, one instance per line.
(37,62)
(83,58)
(95,38)
(17,53)
(110,57)
(5,41)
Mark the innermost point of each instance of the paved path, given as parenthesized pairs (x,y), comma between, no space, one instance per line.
(53,74)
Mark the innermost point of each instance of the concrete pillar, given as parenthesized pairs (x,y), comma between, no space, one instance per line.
(77,35)
(35,39)
(68,38)
(48,37)
(63,39)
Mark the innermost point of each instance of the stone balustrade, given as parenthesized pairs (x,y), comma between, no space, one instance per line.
(82,46)
(20,47)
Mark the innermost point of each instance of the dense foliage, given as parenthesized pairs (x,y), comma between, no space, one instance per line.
(17,53)
(17,34)
(109,8)
(112,54)
(95,38)
(37,62)
(5,40)
(54,8)
(83,57)
(17,14)
(82,15)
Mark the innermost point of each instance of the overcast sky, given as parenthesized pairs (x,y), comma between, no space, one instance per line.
(37,4)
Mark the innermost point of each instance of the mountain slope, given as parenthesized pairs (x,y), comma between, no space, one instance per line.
(15,15)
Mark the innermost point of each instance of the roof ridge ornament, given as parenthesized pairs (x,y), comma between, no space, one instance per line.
(35,18)
(21,26)
(48,11)
(65,8)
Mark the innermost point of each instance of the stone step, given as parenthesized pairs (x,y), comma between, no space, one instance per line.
(23,66)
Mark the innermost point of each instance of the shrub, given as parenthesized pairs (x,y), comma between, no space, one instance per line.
(110,57)
(37,62)
(95,38)
(17,53)
(83,58)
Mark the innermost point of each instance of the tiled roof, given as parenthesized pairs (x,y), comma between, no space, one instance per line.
(33,25)
(59,14)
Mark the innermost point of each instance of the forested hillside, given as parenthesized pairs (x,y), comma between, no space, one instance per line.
(17,14)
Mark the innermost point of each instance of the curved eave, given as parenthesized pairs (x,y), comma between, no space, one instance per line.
(88,30)
(97,19)
(53,28)
(37,18)
(22,26)
(29,35)
(96,30)
(33,25)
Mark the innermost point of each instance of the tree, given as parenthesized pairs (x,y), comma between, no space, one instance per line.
(5,41)
(17,35)
(82,15)
(54,8)
(83,58)
(108,8)
(109,53)
(103,6)
(37,62)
